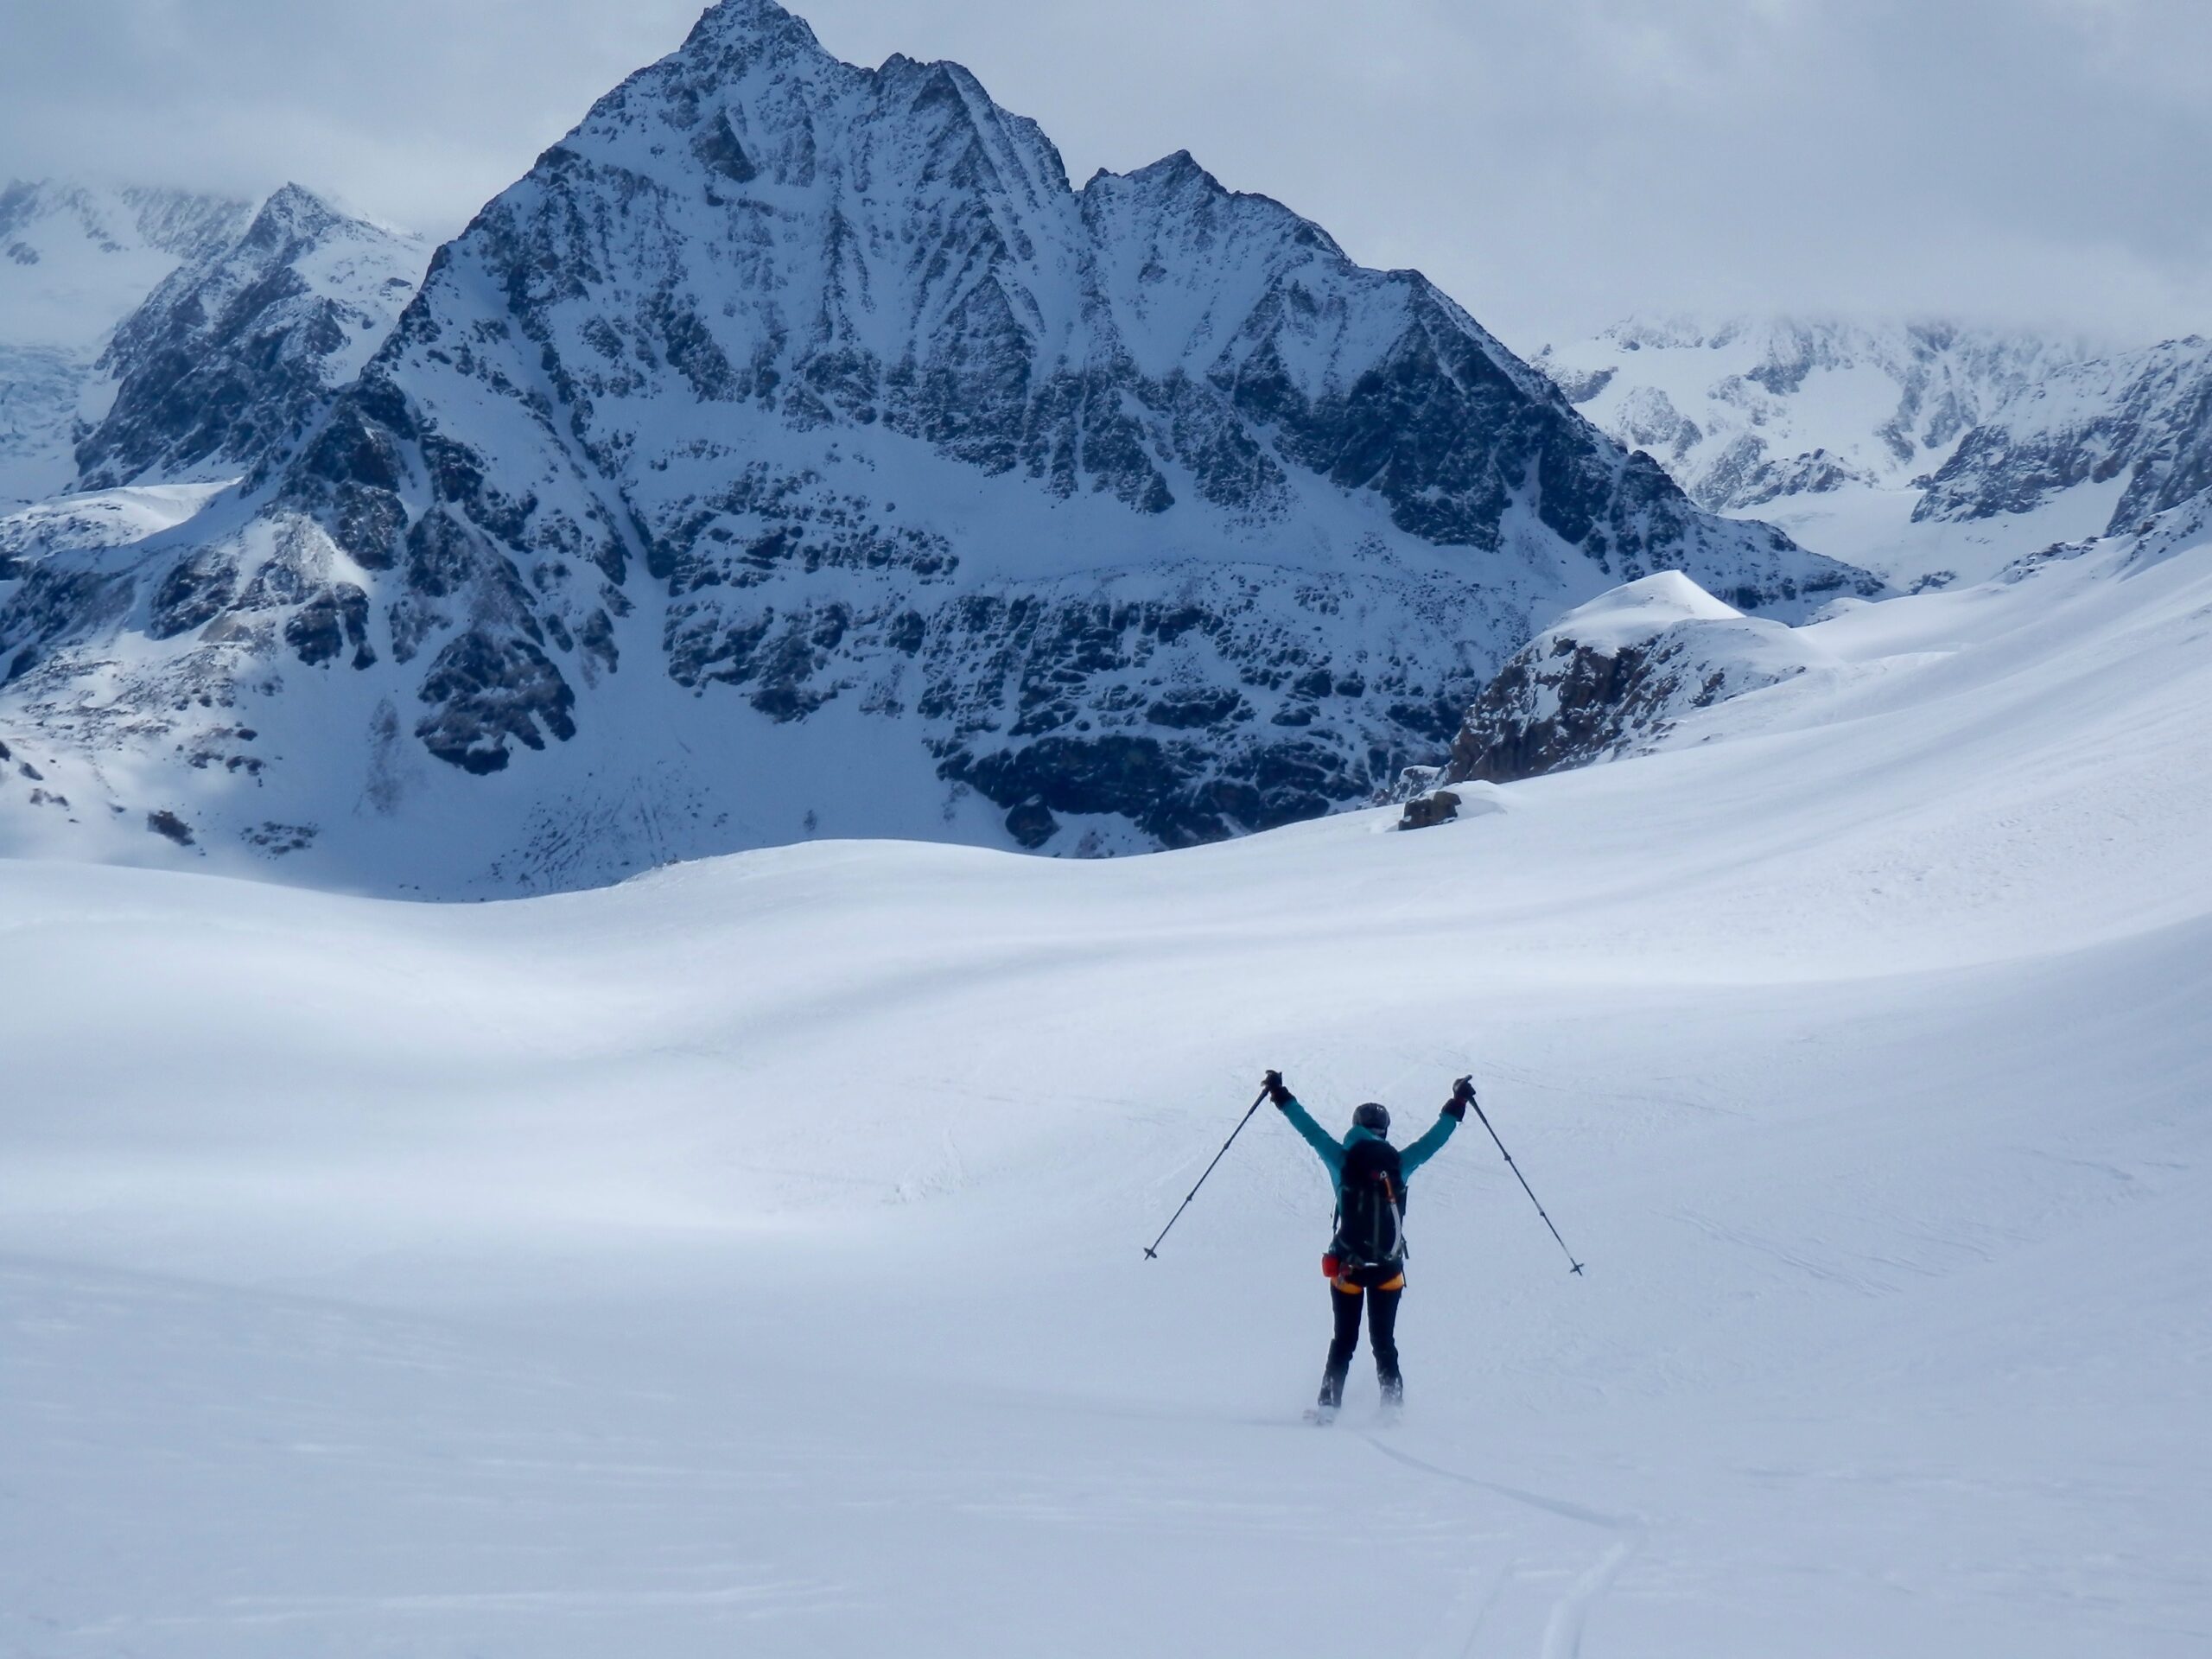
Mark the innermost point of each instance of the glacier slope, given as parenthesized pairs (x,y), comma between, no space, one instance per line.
(747,1255)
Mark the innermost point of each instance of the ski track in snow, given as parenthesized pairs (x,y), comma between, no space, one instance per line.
(1563,1627)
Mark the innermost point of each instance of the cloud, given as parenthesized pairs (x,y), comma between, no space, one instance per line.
(1554,164)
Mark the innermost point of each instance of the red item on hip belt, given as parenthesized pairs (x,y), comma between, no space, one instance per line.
(1329,1264)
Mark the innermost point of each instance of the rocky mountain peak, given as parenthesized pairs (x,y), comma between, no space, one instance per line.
(231,359)
(758,27)
(792,450)
(1178,167)
(293,213)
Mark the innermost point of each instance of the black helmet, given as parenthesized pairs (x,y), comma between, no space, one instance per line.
(1372,1118)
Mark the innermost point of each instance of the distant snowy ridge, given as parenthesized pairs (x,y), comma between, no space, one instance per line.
(75,261)
(75,258)
(1933,452)
(793,449)
(230,360)
(158,337)
(1746,412)
(2141,420)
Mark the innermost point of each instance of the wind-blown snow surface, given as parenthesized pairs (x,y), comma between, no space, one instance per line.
(745,1259)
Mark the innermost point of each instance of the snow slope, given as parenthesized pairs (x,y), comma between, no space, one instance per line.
(97,518)
(746,1258)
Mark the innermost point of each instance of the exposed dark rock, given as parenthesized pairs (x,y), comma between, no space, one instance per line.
(486,693)
(1426,811)
(1615,677)
(717,146)
(278,839)
(327,623)
(1596,699)
(353,449)
(1185,709)
(196,590)
(1031,824)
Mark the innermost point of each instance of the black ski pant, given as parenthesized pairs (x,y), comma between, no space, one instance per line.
(1382,1336)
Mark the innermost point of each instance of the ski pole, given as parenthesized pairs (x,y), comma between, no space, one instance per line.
(1151,1250)
(1518,1176)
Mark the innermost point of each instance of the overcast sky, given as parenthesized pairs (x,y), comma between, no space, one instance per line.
(1555,164)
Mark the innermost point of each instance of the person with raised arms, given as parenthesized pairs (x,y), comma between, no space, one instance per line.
(1365,1260)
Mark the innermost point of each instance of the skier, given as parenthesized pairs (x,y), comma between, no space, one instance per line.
(1366,1261)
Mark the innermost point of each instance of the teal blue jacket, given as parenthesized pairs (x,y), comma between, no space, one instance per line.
(1332,1152)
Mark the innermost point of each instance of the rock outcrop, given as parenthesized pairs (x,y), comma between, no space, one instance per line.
(1614,677)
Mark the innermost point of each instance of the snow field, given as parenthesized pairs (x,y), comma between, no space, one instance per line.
(747,1258)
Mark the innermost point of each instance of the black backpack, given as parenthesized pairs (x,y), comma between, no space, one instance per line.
(1371,1208)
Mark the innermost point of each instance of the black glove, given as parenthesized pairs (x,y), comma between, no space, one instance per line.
(1463,1095)
(1276,1092)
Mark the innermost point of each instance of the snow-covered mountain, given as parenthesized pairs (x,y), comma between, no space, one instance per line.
(75,260)
(794,450)
(160,337)
(2129,435)
(227,363)
(1747,412)
(1828,427)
